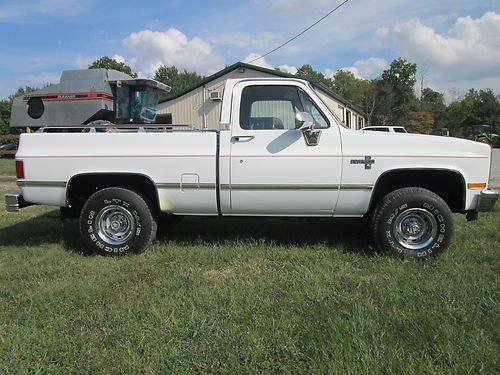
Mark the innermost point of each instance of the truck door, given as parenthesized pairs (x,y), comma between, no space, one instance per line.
(273,171)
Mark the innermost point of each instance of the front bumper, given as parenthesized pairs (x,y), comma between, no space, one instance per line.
(15,201)
(487,200)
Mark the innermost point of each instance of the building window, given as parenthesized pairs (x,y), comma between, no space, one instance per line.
(361,122)
(348,118)
(341,113)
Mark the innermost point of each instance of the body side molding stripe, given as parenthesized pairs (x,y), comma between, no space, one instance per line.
(41,183)
(297,187)
(223,186)
(186,186)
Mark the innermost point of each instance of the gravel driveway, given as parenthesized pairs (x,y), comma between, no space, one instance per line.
(495,168)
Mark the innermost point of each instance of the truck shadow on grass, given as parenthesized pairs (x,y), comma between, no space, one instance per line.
(347,235)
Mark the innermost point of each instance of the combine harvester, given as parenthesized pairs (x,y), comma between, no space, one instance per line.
(90,98)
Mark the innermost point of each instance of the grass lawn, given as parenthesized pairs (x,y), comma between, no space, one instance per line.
(246,296)
(7,167)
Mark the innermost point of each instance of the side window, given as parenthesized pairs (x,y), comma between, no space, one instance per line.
(269,107)
(399,130)
(320,121)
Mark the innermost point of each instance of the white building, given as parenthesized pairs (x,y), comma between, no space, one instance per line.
(200,105)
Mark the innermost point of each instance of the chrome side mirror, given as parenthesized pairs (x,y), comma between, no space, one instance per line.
(303,121)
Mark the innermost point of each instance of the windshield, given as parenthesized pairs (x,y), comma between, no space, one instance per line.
(136,105)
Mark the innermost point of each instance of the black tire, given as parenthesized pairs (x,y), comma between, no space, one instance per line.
(412,223)
(116,221)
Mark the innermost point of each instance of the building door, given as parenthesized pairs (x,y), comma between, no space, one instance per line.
(273,170)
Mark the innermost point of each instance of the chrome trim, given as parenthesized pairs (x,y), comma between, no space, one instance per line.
(15,201)
(25,183)
(356,187)
(487,200)
(345,187)
(296,187)
(415,228)
(115,225)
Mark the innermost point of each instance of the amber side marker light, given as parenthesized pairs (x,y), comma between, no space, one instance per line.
(19,169)
(476,185)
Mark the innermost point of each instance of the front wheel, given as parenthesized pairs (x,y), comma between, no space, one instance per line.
(412,223)
(115,221)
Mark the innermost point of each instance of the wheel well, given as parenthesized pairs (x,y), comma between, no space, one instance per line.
(82,187)
(449,185)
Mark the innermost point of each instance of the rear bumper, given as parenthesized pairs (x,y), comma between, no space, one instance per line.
(487,200)
(15,201)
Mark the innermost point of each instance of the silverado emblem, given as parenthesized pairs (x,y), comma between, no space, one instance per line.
(367,161)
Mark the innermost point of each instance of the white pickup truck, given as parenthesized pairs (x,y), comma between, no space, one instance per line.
(280,151)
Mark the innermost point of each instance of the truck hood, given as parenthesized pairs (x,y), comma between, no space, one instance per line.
(378,144)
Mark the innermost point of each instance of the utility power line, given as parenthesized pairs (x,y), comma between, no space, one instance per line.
(301,33)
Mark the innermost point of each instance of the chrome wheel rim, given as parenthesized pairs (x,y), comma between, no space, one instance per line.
(415,229)
(115,225)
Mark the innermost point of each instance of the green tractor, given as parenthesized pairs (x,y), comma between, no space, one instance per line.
(484,134)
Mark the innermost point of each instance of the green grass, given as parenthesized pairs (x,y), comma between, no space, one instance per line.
(7,167)
(246,296)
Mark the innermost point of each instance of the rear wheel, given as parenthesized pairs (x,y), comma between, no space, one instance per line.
(412,223)
(115,221)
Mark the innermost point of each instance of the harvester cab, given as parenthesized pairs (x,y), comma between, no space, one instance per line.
(90,96)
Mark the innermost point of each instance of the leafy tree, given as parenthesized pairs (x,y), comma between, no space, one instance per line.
(307,72)
(433,102)
(106,62)
(4,116)
(177,80)
(420,122)
(475,108)
(345,84)
(396,92)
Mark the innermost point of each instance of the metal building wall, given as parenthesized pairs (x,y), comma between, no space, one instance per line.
(339,108)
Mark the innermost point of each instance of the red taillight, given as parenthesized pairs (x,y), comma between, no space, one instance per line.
(20,169)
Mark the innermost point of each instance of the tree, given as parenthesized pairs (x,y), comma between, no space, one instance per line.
(351,88)
(396,92)
(433,102)
(475,108)
(4,116)
(106,62)
(420,122)
(307,72)
(178,81)
(358,91)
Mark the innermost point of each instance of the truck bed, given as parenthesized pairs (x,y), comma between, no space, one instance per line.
(181,164)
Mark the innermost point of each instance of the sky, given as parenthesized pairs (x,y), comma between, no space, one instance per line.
(455,43)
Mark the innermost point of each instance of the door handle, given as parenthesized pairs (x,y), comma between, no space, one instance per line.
(242,138)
